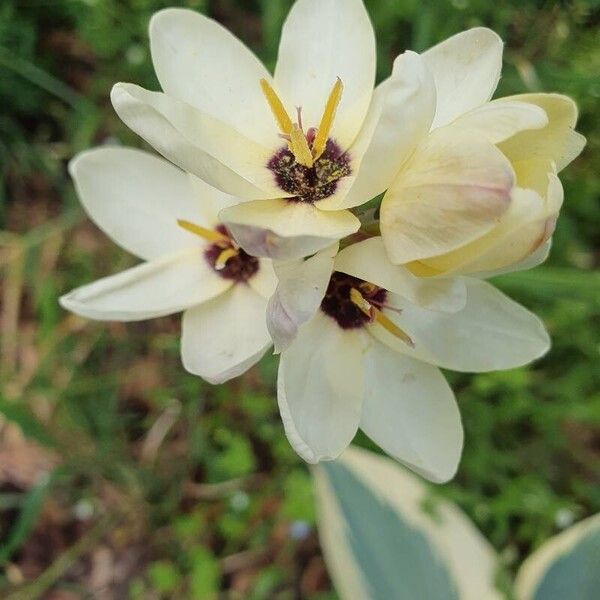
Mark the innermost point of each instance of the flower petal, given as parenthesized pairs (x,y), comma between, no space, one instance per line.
(491,333)
(410,412)
(301,288)
(153,289)
(368,260)
(209,201)
(399,118)
(264,282)
(200,62)
(321,41)
(527,225)
(197,142)
(453,190)
(320,388)
(223,338)
(466,69)
(284,230)
(113,182)
(500,119)
(534,152)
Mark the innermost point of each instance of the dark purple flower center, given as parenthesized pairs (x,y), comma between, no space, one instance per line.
(339,305)
(239,266)
(310,184)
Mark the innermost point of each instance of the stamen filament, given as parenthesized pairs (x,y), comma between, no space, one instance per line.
(300,147)
(373,313)
(222,259)
(283,119)
(324,130)
(208,234)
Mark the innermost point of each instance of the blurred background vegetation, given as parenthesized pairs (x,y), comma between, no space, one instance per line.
(123,477)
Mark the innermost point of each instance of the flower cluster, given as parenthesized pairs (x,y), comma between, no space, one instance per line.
(350,226)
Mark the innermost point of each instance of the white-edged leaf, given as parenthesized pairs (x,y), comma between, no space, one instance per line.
(566,566)
(380,543)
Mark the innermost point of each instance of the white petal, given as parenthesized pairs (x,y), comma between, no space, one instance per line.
(410,412)
(526,225)
(368,260)
(321,41)
(466,69)
(223,338)
(491,333)
(534,153)
(264,281)
(320,388)
(500,119)
(209,201)
(153,289)
(533,260)
(200,62)
(136,199)
(284,230)
(453,190)
(301,288)
(197,142)
(400,116)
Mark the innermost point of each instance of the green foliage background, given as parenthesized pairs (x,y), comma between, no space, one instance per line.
(222,502)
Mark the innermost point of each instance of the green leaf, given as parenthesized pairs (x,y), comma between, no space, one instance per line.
(25,419)
(566,566)
(380,542)
(26,520)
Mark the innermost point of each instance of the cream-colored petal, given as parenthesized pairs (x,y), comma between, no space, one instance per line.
(320,388)
(223,338)
(264,282)
(136,199)
(284,230)
(491,333)
(453,190)
(368,261)
(153,289)
(500,119)
(400,116)
(410,412)
(322,40)
(301,288)
(466,69)
(209,201)
(201,63)
(533,153)
(197,142)
(524,228)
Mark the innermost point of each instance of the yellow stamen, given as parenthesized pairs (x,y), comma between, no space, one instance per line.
(324,130)
(385,322)
(300,147)
(390,326)
(357,298)
(283,119)
(208,234)
(224,257)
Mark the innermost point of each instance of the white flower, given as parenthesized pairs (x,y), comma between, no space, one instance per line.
(361,347)
(480,193)
(299,148)
(168,218)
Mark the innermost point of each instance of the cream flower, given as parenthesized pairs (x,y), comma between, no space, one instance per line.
(298,148)
(169,219)
(361,347)
(480,194)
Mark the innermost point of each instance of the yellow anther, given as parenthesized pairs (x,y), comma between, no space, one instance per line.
(224,257)
(357,298)
(324,130)
(368,288)
(208,234)
(283,119)
(390,326)
(300,147)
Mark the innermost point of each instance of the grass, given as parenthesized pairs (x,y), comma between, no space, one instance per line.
(162,486)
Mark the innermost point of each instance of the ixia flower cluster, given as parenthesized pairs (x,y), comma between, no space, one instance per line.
(350,227)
